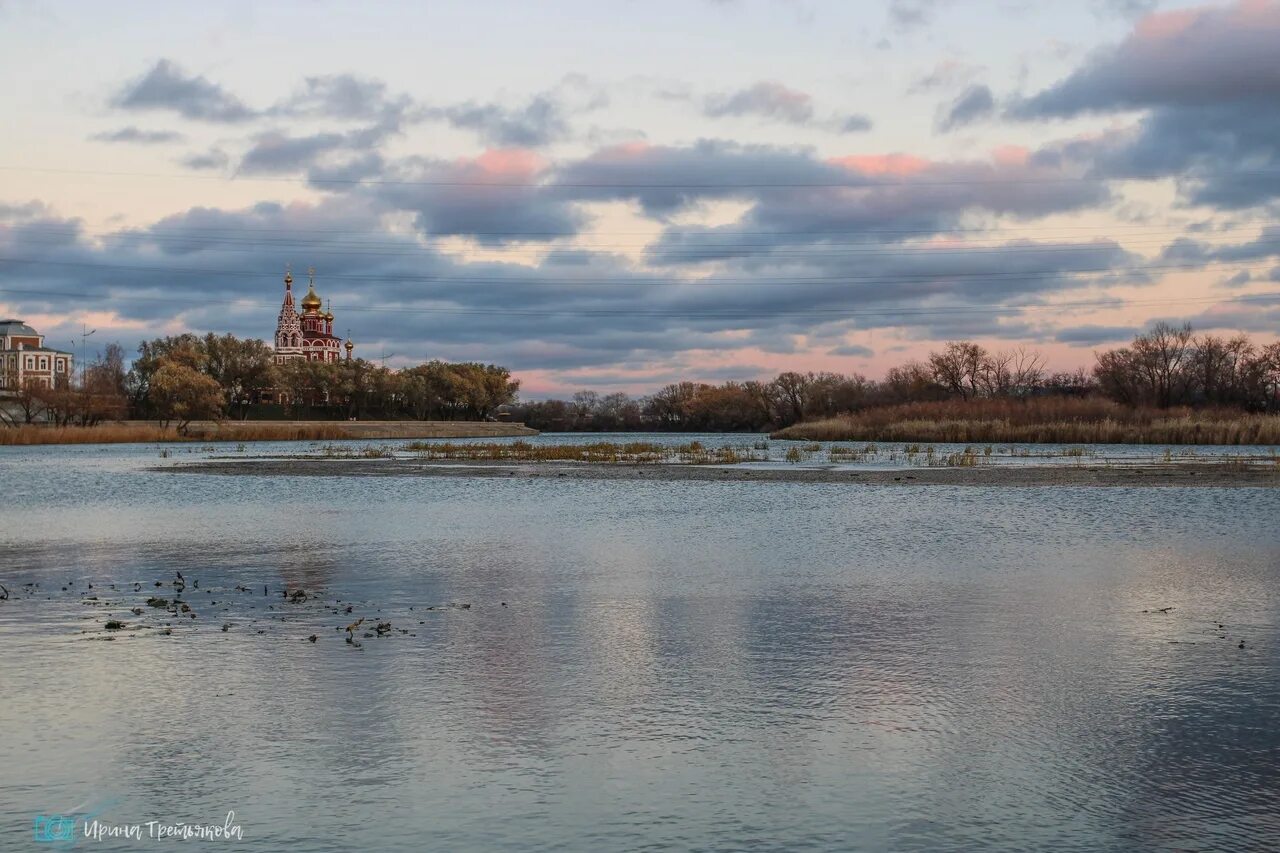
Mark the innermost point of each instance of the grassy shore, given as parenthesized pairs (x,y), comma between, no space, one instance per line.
(147,432)
(1056,421)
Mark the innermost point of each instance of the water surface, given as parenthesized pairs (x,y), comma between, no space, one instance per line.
(688,665)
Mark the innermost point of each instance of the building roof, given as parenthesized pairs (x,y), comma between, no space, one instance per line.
(17,327)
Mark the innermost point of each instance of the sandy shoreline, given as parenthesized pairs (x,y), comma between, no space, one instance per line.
(1207,475)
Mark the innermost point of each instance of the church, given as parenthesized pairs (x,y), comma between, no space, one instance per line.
(307,336)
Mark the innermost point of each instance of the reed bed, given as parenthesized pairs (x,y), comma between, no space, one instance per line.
(150,433)
(1040,422)
(635,452)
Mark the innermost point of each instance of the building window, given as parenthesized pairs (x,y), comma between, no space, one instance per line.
(31,362)
(44,363)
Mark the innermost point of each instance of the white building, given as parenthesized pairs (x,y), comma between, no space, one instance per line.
(24,357)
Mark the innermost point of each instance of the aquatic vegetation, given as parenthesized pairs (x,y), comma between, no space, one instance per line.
(634,452)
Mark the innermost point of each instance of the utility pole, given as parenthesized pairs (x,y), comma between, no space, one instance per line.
(84,349)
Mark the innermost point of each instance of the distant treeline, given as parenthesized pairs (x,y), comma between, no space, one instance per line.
(1164,368)
(183,378)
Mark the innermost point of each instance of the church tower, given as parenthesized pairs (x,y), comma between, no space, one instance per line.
(288,326)
(307,334)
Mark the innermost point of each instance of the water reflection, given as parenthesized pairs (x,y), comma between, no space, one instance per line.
(694,664)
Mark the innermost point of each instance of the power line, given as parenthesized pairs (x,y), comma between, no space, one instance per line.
(889,278)
(864,182)
(713,249)
(713,231)
(683,313)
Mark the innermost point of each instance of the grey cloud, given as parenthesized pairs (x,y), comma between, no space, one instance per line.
(853,350)
(539,122)
(214,158)
(138,135)
(588,310)
(776,102)
(455,199)
(343,96)
(973,104)
(1240,279)
(1208,82)
(912,14)
(801,199)
(1212,56)
(277,152)
(944,75)
(855,123)
(1123,8)
(1274,275)
(1235,316)
(166,87)
(1085,336)
(1186,251)
(26,210)
(766,98)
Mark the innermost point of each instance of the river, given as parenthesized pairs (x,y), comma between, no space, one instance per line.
(632,665)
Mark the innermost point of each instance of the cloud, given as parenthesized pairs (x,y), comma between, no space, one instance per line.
(912,14)
(1207,83)
(139,136)
(539,122)
(773,101)
(766,98)
(1086,336)
(277,152)
(474,197)
(1240,279)
(945,75)
(166,87)
(1128,9)
(214,158)
(1192,58)
(343,96)
(575,310)
(973,104)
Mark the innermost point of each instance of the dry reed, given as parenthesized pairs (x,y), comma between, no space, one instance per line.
(150,433)
(1055,421)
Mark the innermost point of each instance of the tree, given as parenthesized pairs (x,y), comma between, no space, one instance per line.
(792,392)
(960,368)
(181,393)
(241,367)
(30,398)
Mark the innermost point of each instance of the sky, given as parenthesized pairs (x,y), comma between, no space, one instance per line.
(618,195)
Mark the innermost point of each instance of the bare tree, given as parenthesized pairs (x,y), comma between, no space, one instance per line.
(960,368)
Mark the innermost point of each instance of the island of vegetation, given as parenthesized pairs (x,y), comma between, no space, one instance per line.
(1170,386)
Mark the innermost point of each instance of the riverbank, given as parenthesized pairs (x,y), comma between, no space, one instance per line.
(1046,421)
(1200,474)
(149,432)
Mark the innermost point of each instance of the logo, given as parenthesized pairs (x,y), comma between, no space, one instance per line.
(53,827)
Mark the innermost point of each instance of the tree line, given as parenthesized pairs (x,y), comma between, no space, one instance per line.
(181,378)
(1164,367)
(186,377)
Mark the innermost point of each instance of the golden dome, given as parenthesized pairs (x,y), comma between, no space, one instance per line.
(349,345)
(328,315)
(311,302)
